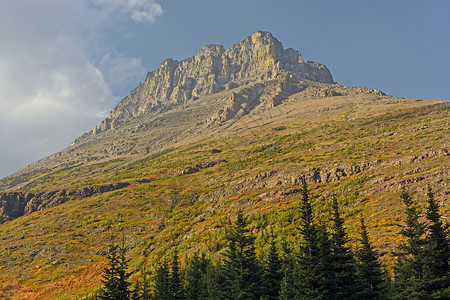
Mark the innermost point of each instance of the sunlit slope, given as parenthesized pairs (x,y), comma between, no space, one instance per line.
(362,149)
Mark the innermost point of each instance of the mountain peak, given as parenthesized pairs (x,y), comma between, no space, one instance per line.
(264,38)
(214,69)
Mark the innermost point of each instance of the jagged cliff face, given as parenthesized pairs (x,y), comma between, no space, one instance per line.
(211,70)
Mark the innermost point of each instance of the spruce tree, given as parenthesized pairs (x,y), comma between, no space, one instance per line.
(289,285)
(175,284)
(272,275)
(324,269)
(436,274)
(162,282)
(115,277)
(217,282)
(308,229)
(196,277)
(241,269)
(313,280)
(369,269)
(408,282)
(345,283)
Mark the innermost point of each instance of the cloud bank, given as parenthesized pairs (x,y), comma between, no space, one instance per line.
(52,86)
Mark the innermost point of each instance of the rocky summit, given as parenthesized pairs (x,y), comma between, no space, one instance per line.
(213,69)
(199,140)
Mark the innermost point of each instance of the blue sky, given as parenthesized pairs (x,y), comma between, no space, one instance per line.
(65,64)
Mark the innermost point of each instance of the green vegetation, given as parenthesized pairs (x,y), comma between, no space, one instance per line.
(60,252)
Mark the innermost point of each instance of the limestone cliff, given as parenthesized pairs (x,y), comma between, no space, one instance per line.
(213,69)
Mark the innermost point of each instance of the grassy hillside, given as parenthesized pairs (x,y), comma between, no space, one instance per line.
(364,151)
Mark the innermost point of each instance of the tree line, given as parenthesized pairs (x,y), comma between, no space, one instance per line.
(323,266)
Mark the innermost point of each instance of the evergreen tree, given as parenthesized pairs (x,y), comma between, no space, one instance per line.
(115,277)
(288,285)
(369,269)
(308,229)
(175,284)
(408,282)
(217,282)
(345,283)
(436,274)
(313,268)
(197,278)
(272,275)
(324,270)
(162,282)
(241,269)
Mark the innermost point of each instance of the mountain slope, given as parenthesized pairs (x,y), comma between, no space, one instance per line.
(173,175)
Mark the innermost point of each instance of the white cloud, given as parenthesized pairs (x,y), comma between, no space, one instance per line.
(52,88)
(50,94)
(141,11)
(145,11)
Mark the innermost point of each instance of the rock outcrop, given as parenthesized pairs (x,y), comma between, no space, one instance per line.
(196,168)
(16,204)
